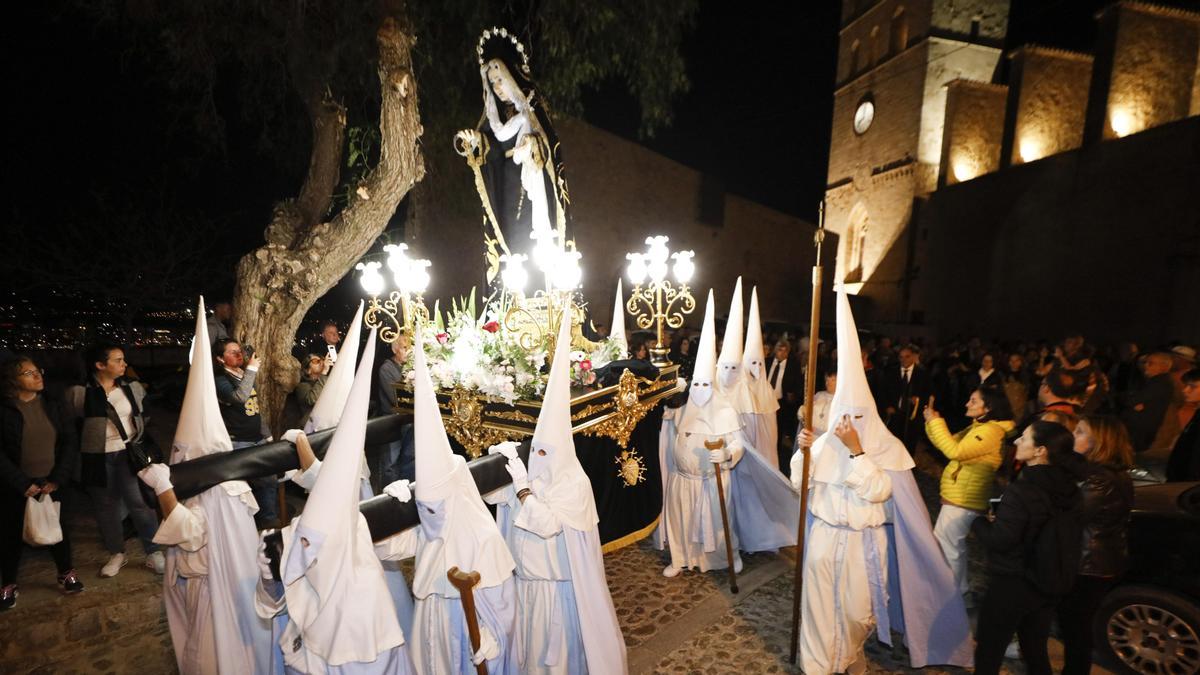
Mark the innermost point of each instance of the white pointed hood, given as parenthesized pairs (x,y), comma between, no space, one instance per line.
(200,430)
(457,530)
(707,409)
(853,397)
(556,476)
(754,368)
(327,411)
(730,380)
(336,592)
(617,329)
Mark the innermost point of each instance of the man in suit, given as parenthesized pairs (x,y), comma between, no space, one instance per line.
(786,377)
(903,391)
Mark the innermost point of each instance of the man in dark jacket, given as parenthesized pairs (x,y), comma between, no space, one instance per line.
(1184,462)
(1147,408)
(903,391)
(786,377)
(239,410)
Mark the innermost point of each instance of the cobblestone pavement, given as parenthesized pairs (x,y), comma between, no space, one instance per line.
(688,624)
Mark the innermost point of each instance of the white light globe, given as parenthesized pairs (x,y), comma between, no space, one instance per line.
(397,258)
(637,267)
(514,275)
(684,267)
(371,279)
(567,273)
(419,276)
(656,250)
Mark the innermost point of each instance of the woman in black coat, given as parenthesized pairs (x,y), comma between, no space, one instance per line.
(1045,488)
(37,455)
(1107,503)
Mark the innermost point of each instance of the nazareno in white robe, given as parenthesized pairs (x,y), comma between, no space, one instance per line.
(210,582)
(845,559)
(695,535)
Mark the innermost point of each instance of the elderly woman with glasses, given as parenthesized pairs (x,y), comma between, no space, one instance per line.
(37,455)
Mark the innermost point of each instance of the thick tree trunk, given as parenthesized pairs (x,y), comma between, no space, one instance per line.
(305,256)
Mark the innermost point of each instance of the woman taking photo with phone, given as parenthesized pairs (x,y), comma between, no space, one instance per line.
(974,453)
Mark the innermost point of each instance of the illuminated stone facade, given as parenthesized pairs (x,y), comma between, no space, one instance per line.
(944,116)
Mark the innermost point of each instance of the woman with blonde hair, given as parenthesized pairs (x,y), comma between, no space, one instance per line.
(1107,500)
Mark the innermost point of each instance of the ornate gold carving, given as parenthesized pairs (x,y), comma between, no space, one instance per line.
(465,423)
(631,468)
(514,415)
(591,410)
(629,411)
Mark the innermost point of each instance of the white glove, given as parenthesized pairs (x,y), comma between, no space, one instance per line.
(291,434)
(516,469)
(158,477)
(399,490)
(264,563)
(507,448)
(719,455)
(488,647)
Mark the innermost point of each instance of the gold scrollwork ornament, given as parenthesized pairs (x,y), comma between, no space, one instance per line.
(465,423)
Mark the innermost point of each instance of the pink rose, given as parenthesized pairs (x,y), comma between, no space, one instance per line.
(491,326)
(585,365)
(443,338)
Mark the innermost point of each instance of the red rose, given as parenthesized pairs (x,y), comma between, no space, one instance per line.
(585,365)
(491,326)
(443,338)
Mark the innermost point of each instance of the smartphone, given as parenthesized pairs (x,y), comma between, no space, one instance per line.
(992,504)
(332,352)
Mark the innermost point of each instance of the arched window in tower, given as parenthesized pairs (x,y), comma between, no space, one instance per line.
(874,51)
(856,65)
(856,239)
(899,37)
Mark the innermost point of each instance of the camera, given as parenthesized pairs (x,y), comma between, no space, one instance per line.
(248,351)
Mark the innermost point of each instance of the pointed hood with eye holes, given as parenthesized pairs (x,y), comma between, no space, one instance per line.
(556,477)
(707,410)
(327,411)
(617,330)
(457,530)
(730,379)
(754,369)
(336,591)
(853,397)
(200,430)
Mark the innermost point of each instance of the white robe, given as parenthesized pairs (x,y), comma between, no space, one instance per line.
(439,643)
(762,434)
(845,559)
(210,583)
(691,507)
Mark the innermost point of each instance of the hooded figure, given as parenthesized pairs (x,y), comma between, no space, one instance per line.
(548,516)
(867,522)
(339,616)
(327,411)
(211,573)
(730,381)
(456,531)
(617,330)
(691,510)
(759,424)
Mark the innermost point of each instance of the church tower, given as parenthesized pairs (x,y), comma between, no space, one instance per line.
(894,60)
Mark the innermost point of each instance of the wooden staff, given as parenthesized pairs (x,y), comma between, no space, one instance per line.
(810,382)
(464,582)
(717,445)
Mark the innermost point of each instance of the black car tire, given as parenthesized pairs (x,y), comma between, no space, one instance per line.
(1148,630)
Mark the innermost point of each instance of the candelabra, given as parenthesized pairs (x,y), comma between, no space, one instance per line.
(402,309)
(659,303)
(535,319)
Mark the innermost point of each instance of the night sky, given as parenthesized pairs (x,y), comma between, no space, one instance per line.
(88,127)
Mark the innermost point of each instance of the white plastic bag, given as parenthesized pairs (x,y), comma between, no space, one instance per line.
(41,521)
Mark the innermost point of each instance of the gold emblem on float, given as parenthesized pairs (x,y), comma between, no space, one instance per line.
(631,468)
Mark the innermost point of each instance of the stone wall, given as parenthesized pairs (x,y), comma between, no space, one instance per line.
(1104,239)
(1145,72)
(973,130)
(1048,98)
(620,194)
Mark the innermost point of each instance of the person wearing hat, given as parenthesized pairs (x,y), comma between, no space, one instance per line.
(548,516)
(211,570)
(863,505)
(334,613)
(456,530)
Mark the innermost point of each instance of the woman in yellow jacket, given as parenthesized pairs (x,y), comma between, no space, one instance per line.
(975,454)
